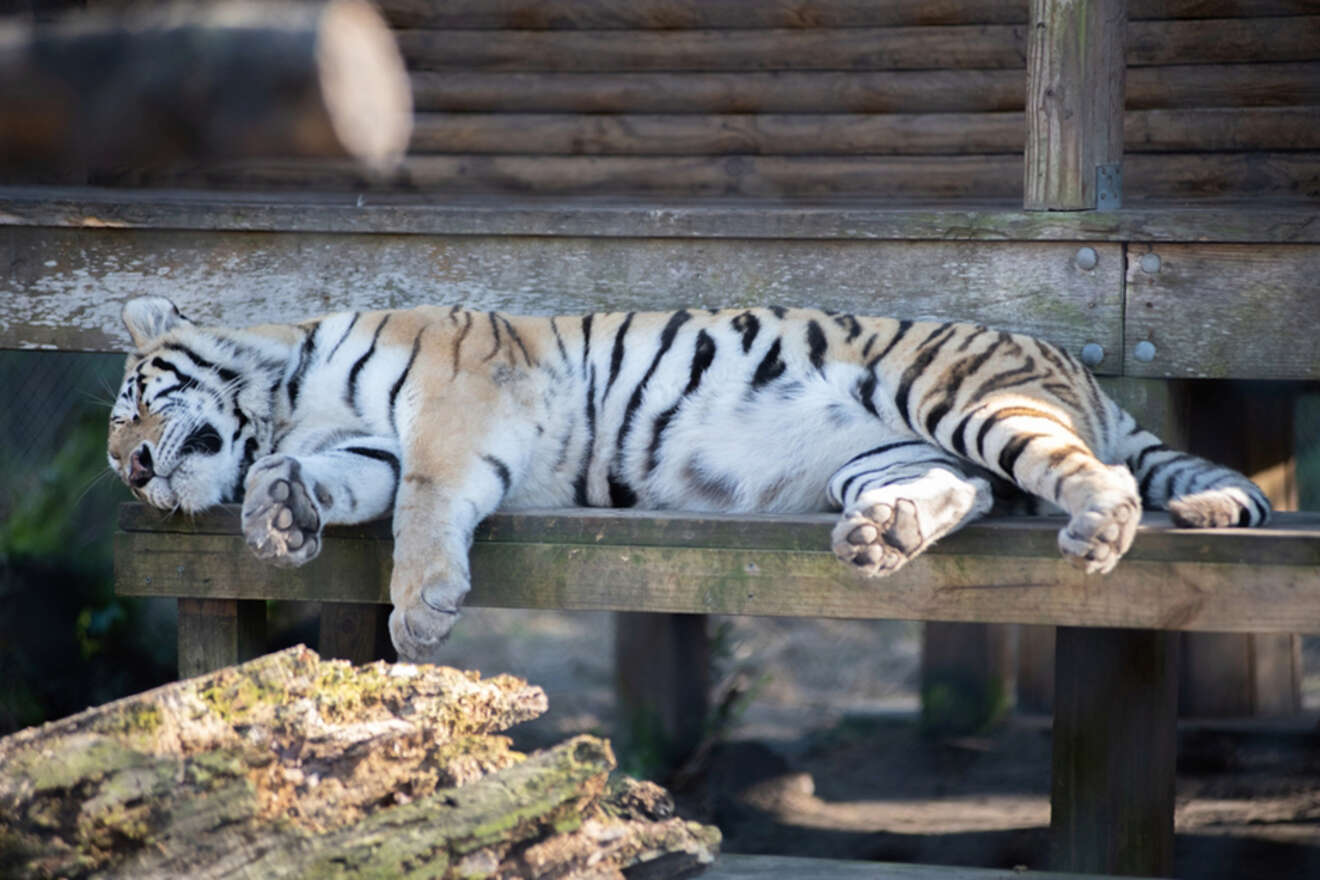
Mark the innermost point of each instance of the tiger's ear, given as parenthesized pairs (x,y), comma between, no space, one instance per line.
(150,317)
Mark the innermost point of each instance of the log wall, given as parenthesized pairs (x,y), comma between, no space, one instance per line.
(818,99)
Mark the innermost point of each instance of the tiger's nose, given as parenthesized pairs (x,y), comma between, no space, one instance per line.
(139,467)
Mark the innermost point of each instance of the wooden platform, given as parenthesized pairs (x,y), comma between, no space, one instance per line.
(999,570)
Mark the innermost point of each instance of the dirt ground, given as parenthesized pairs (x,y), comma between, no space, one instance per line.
(823,756)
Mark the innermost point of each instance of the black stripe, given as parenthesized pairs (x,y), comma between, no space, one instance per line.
(304,353)
(816,346)
(866,349)
(666,342)
(770,368)
(748,325)
(959,439)
(1136,462)
(501,470)
(517,339)
(1010,412)
(778,312)
(350,391)
(616,356)
(226,375)
(586,341)
(1006,379)
(953,380)
(621,494)
(403,377)
(458,340)
(864,391)
(703,355)
(1012,451)
(882,449)
(580,483)
(495,331)
(559,340)
(903,327)
(849,323)
(379,455)
(351,324)
(930,349)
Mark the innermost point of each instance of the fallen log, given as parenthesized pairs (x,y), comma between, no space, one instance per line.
(230,80)
(294,766)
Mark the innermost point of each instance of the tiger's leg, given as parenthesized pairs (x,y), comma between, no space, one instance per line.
(897,500)
(1043,455)
(289,498)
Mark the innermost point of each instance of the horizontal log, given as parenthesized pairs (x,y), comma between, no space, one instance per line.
(1255,175)
(1215,129)
(1295,38)
(65,286)
(677,14)
(938,91)
(381,216)
(227,80)
(995,571)
(1218,311)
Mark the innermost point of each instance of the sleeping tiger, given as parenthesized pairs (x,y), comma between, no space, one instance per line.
(440,416)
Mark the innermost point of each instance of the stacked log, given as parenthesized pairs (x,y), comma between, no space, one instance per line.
(294,766)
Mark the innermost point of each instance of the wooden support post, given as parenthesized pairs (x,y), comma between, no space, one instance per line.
(966,676)
(355,632)
(1075,84)
(214,633)
(1115,742)
(662,677)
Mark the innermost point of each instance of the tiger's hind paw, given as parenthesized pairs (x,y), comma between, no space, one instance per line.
(280,521)
(880,539)
(1095,539)
(1216,508)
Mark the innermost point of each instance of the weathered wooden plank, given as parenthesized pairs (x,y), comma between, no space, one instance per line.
(677,14)
(1181,593)
(347,631)
(1295,38)
(85,208)
(824,134)
(731,866)
(65,287)
(1075,82)
(928,91)
(1223,311)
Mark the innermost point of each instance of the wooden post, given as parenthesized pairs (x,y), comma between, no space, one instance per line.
(1115,743)
(1116,714)
(214,633)
(662,675)
(355,632)
(966,676)
(1075,80)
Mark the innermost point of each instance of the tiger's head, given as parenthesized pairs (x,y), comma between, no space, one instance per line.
(193,411)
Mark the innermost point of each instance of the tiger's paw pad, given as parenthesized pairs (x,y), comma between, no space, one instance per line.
(1212,509)
(419,632)
(280,520)
(1095,539)
(879,539)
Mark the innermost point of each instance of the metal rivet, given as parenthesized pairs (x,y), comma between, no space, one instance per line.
(1092,354)
(1150,263)
(1086,258)
(1144,351)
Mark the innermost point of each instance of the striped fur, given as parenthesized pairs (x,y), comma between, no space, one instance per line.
(441,415)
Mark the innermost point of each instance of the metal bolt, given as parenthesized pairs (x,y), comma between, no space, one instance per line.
(1144,351)
(1150,263)
(1092,354)
(1086,258)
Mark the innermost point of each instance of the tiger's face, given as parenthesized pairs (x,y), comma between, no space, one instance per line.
(177,436)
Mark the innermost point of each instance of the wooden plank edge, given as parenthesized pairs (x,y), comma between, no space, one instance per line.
(99,208)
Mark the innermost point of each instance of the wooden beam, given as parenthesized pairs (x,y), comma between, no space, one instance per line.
(215,633)
(1001,570)
(213,81)
(1075,94)
(386,214)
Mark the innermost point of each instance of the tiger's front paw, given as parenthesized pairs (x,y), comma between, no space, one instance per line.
(880,539)
(1095,539)
(281,521)
(422,618)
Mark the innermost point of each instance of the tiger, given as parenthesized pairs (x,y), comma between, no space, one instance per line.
(440,415)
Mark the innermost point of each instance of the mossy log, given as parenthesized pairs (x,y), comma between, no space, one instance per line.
(294,766)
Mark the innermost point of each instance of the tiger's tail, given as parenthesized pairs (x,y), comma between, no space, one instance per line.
(1198,493)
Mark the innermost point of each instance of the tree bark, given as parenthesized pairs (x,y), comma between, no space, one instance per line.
(292,766)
